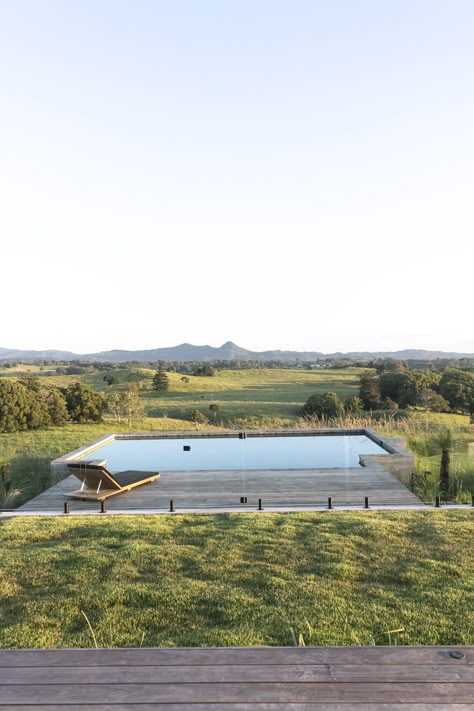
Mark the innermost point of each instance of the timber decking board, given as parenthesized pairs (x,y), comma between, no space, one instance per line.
(347,487)
(238,679)
(242,673)
(171,656)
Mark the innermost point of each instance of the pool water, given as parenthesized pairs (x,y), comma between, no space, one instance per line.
(228,453)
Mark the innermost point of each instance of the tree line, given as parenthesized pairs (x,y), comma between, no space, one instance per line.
(450,391)
(27,404)
(78,367)
(398,387)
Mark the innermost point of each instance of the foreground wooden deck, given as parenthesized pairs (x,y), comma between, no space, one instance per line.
(239,679)
(223,489)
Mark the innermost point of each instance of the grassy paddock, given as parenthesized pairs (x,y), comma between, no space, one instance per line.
(238,579)
(264,393)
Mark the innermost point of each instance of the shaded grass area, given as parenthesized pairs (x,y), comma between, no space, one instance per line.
(238,579)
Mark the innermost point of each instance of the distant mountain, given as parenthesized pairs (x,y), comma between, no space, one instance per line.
(183,352)
(17,354)
(228,351)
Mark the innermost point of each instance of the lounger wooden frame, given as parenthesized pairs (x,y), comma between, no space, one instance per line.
(99,484)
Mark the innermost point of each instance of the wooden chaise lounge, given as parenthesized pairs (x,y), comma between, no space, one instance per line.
(98,483)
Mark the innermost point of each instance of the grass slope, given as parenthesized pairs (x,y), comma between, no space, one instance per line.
(250,393)
(268,579)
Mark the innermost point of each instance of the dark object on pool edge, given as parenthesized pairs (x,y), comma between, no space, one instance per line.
(456,655)
(242,435)
(186,447)
(98,483)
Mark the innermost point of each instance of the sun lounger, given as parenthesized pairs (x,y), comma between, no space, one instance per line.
(98,483)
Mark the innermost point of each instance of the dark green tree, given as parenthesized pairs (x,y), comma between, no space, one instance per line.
(29,407)
(390,365)
(15,406)
(457,387)
(369,391)
(83,403)
(432,401)
(161,381)
(38,415)
(56,405)
(48,405)
(327,405)
(206,370)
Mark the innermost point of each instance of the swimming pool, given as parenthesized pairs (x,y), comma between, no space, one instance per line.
(198,453)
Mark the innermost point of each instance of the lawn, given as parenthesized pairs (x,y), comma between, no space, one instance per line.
(238,579)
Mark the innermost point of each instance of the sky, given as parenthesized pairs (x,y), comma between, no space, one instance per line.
(294,175)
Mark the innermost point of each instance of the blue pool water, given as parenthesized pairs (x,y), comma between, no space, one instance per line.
(226,453)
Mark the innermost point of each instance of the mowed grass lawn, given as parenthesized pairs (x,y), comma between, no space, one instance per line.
(238,579)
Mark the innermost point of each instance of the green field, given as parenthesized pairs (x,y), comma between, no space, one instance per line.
(238,579)
(271,393)
(250,393)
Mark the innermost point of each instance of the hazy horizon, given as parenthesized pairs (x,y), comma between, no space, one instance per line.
(240,345)
(297,174)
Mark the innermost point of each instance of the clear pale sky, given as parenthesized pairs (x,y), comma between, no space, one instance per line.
(294,174)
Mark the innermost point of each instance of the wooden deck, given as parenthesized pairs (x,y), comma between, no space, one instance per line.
(223,489)
(238,679)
